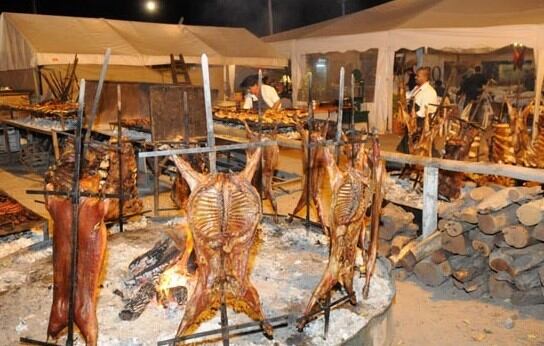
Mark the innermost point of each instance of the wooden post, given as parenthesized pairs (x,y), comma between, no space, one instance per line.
(430,200)
(55,140)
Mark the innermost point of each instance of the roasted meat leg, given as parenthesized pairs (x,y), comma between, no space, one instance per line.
(223,213)
(270,161)
(317,172)
(91,249)
(353,192)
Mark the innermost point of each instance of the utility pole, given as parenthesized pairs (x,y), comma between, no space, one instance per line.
(35,6)
(270,18)
(343,6)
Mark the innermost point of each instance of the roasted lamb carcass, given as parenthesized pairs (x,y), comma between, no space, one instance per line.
(317,170)
(270,160)
(353,191)
(223,213)
(91,242)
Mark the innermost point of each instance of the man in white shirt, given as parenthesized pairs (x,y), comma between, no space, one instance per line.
(423,99)
(268,95)
(423,96)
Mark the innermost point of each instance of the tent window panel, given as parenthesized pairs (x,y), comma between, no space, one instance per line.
(325,70)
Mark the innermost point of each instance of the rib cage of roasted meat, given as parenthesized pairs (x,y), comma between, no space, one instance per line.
(353,191)
(270,160)
(99,174)
(223,213)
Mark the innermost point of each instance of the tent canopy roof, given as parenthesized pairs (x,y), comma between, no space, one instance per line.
(29,39)
(419,14)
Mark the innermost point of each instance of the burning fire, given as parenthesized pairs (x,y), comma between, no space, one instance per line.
(170,278)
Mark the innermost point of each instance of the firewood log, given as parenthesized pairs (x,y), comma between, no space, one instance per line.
(398,242)
(476,287)
(507,196)
(384,248)
(467,268)
(538,231)
(432,274)
(528,279)
(440,256)
(515,261)
(480,193)
(423,248)
(500,289)
(460,245)
(530,297)
(395,220)
(530,213)
(518,236)
(493,222)
(454,228)
(484,243)
(468,214)
(389,230)
(396,259)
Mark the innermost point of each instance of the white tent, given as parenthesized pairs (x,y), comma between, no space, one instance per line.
(453,25)
(28,41)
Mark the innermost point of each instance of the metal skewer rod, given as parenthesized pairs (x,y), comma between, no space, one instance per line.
(120,159)
(352,120)
(340,112)
(209,116)
(79,154)
(309,150)
(96,101)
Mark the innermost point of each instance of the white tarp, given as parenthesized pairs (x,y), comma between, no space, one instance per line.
(453,25)
(28,40)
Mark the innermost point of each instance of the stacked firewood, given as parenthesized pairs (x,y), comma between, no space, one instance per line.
(396,230)
(491,241)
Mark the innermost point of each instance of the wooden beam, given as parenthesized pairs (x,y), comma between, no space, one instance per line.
(516,172)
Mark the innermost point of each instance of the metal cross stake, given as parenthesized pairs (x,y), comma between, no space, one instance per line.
(340,112)
(309,150)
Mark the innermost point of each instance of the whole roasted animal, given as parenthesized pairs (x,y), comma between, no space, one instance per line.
(99,174)
(271,154)
(353,192)
(132,203)
(450,183)
(223,213)
(317,170)
(502,147)
(91,243)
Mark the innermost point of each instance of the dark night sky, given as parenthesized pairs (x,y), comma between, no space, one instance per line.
(251,14)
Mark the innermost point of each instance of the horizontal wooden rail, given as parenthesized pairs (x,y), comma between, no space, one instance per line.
(516,172)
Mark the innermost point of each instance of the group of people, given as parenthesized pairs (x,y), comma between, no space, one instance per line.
(268,95)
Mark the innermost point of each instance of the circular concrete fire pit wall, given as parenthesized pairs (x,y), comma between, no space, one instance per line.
(288,264)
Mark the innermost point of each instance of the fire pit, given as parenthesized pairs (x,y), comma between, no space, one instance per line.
(289,262)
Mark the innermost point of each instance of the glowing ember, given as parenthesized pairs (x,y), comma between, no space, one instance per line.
(171,279)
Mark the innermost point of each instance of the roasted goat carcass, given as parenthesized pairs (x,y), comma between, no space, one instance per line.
(132,204)
(98,166)
(223,213)
(271,154)
(317,170)
(353,191)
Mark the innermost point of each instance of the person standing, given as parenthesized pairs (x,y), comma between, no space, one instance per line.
(267,94)
(423,97)
(422,100)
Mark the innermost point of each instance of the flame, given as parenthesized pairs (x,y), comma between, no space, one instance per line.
(171,277)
